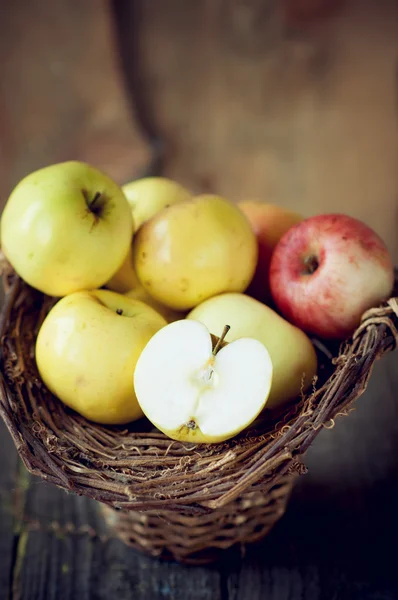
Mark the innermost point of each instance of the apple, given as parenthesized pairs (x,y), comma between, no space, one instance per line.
(327,271)
(193,392)
(87,349)
(269,222)
(138,293)
(66,227)
(292,353)
(194,250)
(149,195)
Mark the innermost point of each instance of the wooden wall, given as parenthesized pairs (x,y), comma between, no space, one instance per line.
(292,102)
(62,93)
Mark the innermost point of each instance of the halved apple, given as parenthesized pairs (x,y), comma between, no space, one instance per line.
(194,392)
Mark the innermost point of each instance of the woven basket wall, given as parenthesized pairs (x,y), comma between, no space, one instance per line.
(168,498)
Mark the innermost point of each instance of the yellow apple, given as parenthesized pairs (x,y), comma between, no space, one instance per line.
(66,227)
(87,349)
(194,250)
(146,197)
(292,353)
(138,293)
(149,195)
(269,223)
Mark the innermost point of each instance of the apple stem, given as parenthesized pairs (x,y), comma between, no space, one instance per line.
(221,339)
(93,202)
(311,264)
(94,205)
(119,311)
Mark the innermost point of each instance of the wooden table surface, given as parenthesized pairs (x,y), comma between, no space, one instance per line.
(298,108)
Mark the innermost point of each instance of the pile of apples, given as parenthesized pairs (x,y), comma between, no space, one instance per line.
(191,310)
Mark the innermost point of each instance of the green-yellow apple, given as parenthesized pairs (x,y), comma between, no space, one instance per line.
(201,393)
(146,197)
(139,293)
(269,223)
(87,349)
(66,227)
(194,250)
(293,356)
(149,195)
(327,271)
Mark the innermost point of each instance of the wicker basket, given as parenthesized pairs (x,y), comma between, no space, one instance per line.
(167,498)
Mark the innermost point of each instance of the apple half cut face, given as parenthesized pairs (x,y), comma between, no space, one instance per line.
(194,393)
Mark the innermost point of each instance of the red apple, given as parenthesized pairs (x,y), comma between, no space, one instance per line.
(326,271)
(269,222)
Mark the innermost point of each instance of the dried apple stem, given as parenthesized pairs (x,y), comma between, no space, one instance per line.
(96,204)
(93,202)
(221,339)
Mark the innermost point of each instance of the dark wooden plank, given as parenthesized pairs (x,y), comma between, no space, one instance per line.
(138,576)
(59,531)
(65,552)
(9,505)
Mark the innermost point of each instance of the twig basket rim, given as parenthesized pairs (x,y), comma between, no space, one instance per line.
(138,468)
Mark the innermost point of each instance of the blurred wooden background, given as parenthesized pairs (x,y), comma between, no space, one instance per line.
(293,101)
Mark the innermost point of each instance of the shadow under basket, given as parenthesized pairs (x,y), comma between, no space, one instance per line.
(171,499)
